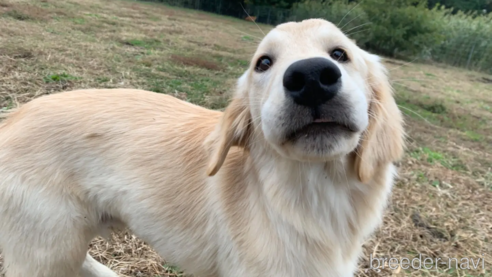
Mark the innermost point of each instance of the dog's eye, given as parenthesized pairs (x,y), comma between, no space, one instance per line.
(339,55)
(263,64)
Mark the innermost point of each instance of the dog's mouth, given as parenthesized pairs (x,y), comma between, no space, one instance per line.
(322,126)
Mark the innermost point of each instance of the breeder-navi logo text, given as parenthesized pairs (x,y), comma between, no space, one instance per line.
(428,263)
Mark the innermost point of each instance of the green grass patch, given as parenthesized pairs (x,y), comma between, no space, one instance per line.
(172,270)
(223,49)
(436,108)
(435,183)
(15,14)
(474,136)
(60,77)
(421,177)
(486,181)
(10,105)
(102,79)
(79,21)
(194,85)
(485,107)
(435,157)
(233,62)
(416,112)
(424,103)
(236,63)
(436,112)
(143,43)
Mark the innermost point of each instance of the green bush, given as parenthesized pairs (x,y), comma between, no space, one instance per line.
(401,28)
(467,40)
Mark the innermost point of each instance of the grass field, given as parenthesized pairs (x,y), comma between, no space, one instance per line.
(441,205)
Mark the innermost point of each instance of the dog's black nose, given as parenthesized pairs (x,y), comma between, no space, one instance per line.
(312,82)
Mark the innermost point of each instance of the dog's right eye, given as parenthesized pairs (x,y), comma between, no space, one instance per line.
(263,64)
(339,55)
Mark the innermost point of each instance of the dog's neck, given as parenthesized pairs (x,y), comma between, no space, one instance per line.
(319,200)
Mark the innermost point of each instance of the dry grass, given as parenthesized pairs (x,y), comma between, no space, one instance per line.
(196,61)
(441,206)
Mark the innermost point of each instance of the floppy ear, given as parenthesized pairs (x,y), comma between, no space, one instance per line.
(233,129)
(383,140)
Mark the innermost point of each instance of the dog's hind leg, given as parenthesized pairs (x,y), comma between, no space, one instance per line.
(43,260)
(92,268)
(43,232)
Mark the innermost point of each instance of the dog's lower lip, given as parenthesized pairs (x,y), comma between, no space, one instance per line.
(319,126)
(329,123)
(322,121)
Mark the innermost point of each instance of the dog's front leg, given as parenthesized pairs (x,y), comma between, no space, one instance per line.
(92,268)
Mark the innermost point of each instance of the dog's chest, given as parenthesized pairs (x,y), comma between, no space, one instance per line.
(268,247)
(293,232)
(285,220)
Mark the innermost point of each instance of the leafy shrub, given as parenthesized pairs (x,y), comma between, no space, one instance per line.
(401,28)
(467,40)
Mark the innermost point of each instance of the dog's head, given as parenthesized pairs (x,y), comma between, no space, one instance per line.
(312,95)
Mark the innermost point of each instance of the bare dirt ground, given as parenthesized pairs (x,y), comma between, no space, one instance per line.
(441,206)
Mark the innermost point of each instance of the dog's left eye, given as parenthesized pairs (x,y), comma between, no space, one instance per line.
(339,55)
(263,64)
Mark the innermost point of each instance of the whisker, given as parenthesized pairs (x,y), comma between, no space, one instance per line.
(359,31)
(341,28)
(358,26)
(347,14)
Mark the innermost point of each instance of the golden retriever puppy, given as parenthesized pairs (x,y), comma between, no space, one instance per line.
(288,181)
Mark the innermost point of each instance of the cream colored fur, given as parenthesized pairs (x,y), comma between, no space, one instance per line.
(213,192)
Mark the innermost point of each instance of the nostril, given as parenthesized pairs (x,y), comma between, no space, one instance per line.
(328,76)
(296,81)
(312,82)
